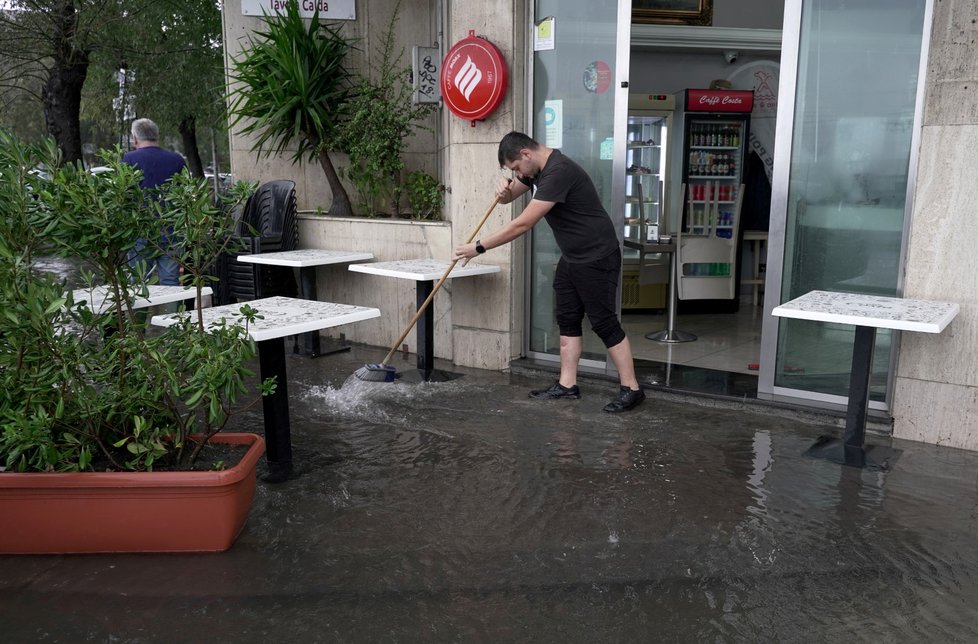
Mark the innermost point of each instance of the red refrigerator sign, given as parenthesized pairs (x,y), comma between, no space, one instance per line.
(719,100)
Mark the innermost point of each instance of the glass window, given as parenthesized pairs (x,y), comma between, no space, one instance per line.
(853,124)
(573,111)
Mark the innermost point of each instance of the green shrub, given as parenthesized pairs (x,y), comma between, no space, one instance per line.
(425,195)
(382,115)
(81,389)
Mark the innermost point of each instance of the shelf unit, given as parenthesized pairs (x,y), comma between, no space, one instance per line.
(645,174)
(707,249)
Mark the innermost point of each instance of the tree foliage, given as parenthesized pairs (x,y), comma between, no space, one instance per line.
(179,71)
(63,55)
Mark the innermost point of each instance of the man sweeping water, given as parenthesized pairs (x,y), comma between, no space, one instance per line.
(586,279)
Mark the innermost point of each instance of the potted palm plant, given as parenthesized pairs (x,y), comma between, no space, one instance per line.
(107,424)
(291,84)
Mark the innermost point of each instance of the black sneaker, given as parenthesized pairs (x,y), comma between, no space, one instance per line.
(626,400)
(555,391)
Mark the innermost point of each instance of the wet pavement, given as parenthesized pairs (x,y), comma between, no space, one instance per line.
(463,511)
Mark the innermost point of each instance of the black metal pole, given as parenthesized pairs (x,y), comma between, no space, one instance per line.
(859,386)
(307,281)
(278,430)
(426,330)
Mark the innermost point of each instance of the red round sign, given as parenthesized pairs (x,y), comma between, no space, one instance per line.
(473,78)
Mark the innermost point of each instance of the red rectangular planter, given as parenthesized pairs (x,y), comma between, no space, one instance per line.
(48,513)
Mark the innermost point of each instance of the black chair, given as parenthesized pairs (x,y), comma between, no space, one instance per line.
(269,223)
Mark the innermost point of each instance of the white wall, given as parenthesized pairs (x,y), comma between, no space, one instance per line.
(667,72)
(936,397)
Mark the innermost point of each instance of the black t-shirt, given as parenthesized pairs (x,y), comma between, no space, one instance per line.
(582,228)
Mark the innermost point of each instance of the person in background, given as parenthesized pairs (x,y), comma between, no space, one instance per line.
(587,275)
(158,166)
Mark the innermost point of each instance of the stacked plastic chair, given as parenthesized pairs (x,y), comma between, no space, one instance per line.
(268,224)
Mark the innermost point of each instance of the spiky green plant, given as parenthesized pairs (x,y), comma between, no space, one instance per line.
(290,87)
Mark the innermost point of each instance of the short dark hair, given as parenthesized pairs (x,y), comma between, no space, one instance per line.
(512,143)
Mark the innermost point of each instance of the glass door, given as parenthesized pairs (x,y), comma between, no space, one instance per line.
(841,196)
(579,106)
(714,164)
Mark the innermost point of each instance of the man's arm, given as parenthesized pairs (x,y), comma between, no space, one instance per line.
(527,219)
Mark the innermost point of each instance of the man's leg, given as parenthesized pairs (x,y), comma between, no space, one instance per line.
(569,314)
(137,257)
(570,356)
(598,284)
(621,356)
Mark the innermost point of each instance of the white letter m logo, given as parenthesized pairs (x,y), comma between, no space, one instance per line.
(468,77)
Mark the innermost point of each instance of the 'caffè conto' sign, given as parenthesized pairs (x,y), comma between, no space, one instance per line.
(330,9)
(473,78)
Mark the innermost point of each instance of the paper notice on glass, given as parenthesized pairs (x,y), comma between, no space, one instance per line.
(553,120)
(543,34)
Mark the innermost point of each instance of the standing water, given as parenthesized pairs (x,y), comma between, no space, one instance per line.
(465,511)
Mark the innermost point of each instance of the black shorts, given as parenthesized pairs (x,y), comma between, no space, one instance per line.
(589,289)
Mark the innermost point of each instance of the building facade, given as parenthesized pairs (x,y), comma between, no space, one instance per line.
(925,383)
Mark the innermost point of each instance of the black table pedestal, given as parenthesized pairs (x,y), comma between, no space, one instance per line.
(426,330)
(278,429)
(852,449)
(426,337)
(311,342)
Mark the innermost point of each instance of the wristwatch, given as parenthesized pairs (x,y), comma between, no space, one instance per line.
(479,248)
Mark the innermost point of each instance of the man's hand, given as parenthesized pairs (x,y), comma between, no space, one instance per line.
(465,252)
(504,190)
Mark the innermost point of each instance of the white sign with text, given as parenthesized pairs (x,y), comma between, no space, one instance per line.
(329,9)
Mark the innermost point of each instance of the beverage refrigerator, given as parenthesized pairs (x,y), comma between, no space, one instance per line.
(712,126)
(647,167)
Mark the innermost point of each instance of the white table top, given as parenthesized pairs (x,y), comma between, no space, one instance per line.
(306,257)
(99,299)
(870,310)
(423,270)
(282,316)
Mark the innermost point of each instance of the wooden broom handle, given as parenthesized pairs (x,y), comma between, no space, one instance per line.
(431,296)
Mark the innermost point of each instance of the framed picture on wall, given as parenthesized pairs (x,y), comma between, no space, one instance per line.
(672,12)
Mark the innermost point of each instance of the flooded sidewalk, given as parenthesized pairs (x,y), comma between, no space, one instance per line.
(464,511)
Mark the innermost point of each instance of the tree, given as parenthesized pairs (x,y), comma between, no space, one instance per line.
(178,70)
(53,40)
(172,47)
(290,86)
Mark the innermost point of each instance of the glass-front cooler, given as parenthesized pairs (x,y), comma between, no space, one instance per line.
(713,128)
(646,175)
